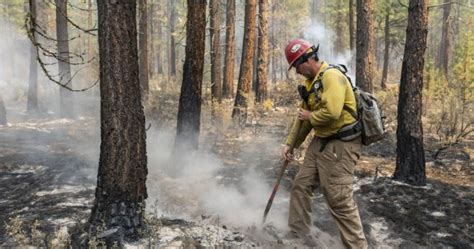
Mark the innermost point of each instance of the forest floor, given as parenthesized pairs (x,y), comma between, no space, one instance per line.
(48,173)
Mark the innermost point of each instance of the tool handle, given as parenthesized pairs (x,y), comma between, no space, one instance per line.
(281,173)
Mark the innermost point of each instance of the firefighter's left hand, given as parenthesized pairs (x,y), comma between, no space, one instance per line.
(303,114)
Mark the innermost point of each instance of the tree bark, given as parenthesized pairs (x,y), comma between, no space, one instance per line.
(262,70)
(410,164)
(121,191)
(3,113)
(189,111)
(143,47)
(159,47)
(351,24)
(273,43)
(66,97)
(365,45)
(228,83)
(444,47)
(172,43)
(32,100)
(214,33)
(383,84)
(246,66)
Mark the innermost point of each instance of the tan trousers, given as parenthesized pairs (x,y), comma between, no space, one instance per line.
(332,170)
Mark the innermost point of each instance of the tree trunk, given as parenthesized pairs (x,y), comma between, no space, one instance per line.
(339,44)
(214,33)
(228,83)
(383,84)
(151,39)
(351,24)
(410,165)
(443,58)
(172,45)
(66,97)
(273,43)
(143,47)
(365,45)
(90,50)
(189,112)
(246,65)
(121,191)
(3,113)
(32,101)
(159,47)
(262,71)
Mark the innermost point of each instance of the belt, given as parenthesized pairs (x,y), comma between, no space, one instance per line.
(346,133)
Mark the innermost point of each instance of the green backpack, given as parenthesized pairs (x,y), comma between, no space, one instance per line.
(368,112)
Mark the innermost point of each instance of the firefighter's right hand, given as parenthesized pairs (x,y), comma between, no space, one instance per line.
(285,153)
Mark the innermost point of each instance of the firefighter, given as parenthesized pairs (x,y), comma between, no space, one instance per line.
(328,108)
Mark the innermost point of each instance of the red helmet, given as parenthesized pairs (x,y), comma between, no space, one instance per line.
(295,49)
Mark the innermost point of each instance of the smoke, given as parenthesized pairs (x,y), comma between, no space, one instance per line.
(199,185)
(15,52)
(317,33)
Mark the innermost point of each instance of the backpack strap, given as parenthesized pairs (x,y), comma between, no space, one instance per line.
(343,69)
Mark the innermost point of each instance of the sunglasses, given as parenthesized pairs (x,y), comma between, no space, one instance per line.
(304,58)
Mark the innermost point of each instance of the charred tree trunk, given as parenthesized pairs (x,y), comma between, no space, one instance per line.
(189,112)
(66,97)
(32,101)
(121,192)
(443,58)
(365,45)
(410,166)
(143,47)
(172,43)
(383,84)
(214,33)
(228,83)
(351,24)
(3,112)
(262,70)
(246,66)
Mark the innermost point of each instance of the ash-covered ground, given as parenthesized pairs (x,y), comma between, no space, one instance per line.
(216,198)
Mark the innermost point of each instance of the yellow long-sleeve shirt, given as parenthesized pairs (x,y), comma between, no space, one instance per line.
(326,106)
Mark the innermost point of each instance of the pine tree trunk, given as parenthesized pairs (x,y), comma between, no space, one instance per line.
(214,33)
(273,44)
(383,84)
(351,24)
(121,191)
(172,43)
(3,112)
(151,39)
(339,44)
(365,45)
(410,164)
(246,66)
(90,50)
(189,112)
(143,47)
(160,35)
(32,100)
(262,71)
(66,97)
(228,83)
(444,47)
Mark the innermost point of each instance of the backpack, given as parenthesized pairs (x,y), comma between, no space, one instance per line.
(369,115)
